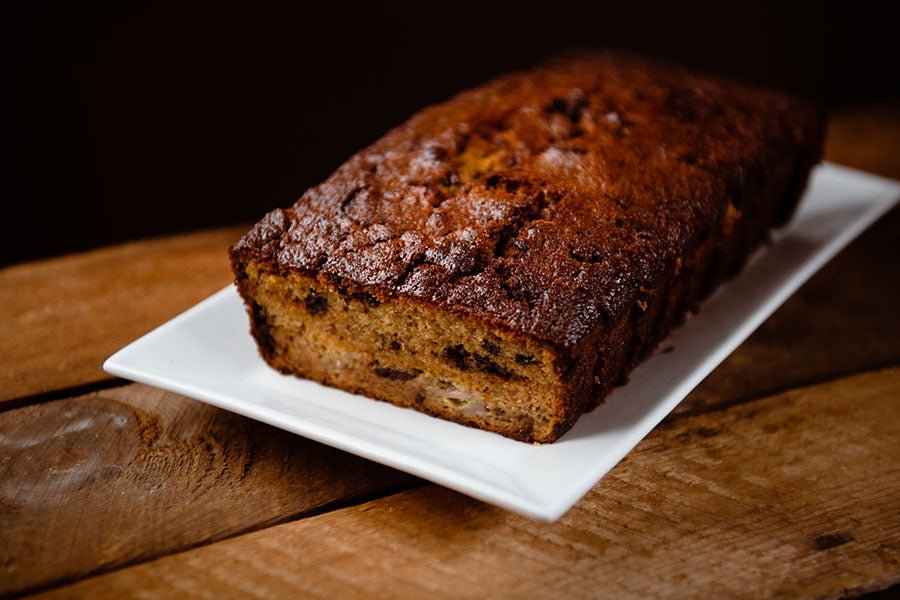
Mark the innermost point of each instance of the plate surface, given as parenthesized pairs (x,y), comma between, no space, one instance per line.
(207,353)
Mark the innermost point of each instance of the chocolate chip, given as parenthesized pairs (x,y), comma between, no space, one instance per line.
(366,298)
(525,360)
(397,374)
(262,330)
(509,184)
(489,366)
(587,255)
(490,346)
(572,107)
(315,304)
(458,355)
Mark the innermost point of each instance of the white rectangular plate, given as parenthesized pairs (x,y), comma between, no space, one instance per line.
(207,353)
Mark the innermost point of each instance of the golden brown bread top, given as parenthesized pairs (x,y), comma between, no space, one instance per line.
(542,201)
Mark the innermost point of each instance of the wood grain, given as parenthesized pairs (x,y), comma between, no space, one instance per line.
(794,495)
(126,474)
(62,317)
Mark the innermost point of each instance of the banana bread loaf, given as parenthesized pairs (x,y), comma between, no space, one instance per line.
(504,259)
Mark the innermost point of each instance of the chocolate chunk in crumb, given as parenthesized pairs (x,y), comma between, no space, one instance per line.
(315,304)
(490,347)
(367,298)
(525,360)
(261,330)
(395,374)
(458,355)
(487,365)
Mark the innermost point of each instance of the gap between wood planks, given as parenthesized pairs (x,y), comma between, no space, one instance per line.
(62,394)
(712,407)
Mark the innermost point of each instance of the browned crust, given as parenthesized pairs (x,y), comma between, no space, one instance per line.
(587,204)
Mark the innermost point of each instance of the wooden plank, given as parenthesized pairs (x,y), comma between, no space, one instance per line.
(119,476)
(794,495)
(62,317)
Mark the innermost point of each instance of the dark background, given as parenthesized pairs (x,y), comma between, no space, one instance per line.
(143,118)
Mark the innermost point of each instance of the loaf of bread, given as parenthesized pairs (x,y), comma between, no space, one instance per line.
(504,259)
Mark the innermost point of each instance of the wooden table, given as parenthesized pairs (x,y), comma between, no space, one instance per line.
(778,476)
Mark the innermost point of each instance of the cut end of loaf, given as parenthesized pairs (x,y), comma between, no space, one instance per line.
(407,354)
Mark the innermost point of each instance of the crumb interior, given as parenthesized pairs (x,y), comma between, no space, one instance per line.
(407,354)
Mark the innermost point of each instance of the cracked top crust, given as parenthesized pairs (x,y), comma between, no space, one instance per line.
(542,201)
